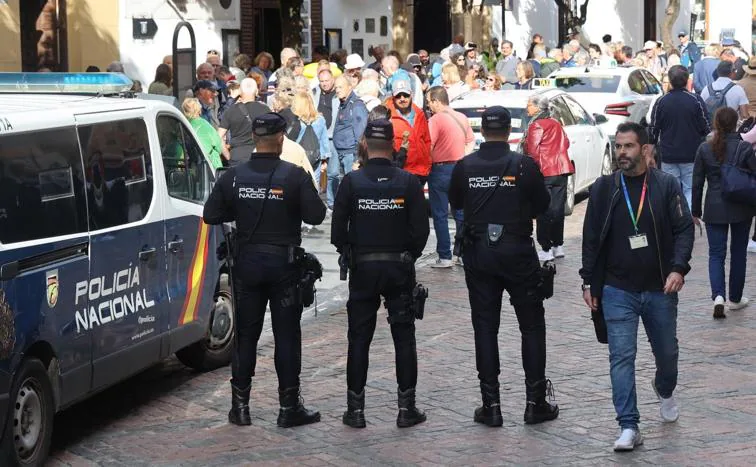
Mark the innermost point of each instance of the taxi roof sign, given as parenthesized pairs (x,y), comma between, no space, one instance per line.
(544,83)
(65,83)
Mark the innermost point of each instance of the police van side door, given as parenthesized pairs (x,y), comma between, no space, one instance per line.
(126,288)
(192,264)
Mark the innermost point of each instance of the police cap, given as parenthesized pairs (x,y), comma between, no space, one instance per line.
(269,124)
(380,129)
(496,118)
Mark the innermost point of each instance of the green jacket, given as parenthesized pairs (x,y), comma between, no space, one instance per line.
(209,139)
(548,66)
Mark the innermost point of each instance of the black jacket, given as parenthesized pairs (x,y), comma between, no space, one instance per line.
(707,169)
(679,124)
(673,226)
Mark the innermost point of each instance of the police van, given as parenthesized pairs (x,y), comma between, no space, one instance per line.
(105,264)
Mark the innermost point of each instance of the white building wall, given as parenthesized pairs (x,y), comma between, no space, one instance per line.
(731,14)
(208,18)
(342,14)
(527,18)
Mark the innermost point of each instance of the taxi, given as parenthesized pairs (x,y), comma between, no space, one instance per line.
(106,266)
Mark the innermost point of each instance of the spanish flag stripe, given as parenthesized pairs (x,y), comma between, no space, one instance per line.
(196,276)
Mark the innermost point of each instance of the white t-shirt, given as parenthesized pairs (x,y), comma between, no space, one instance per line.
(735,97)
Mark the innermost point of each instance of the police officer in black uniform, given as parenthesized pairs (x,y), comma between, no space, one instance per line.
(269,199)
(501,192)
(380,227)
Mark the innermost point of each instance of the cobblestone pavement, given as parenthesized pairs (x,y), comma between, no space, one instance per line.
(171,416)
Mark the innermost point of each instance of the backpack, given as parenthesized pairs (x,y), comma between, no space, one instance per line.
(716,99)
(311,144)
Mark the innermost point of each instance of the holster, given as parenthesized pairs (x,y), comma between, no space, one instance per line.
(310,271)
(546,281)
(494,234)
(345,259)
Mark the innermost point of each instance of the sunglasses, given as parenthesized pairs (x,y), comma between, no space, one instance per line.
(491,80)
(402,95)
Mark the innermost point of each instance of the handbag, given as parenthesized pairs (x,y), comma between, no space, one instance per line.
(738,184)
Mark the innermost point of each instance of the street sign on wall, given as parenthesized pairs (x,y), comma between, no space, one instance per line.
(144,28)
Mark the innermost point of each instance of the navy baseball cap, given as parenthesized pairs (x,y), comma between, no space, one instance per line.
(496,118)
(269,124)
(380,129)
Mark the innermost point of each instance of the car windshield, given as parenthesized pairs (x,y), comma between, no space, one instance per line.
(519,117)
(588,83)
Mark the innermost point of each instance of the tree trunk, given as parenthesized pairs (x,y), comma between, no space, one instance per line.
(670,16)
(291,24)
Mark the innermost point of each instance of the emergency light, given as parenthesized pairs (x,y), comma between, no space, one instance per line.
(64,83)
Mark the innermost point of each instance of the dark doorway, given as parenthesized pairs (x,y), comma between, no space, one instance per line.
(432,25)
(268,32)
(649,20)
(43,36)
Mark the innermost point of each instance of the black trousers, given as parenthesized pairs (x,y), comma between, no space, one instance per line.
(367,283)
(513,266)
(550,225)
(260,279)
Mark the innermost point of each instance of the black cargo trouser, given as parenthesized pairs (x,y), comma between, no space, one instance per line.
(513,266)
(367,283)
(550,225)
(260,278)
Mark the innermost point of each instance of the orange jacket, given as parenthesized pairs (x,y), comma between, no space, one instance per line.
(419,152)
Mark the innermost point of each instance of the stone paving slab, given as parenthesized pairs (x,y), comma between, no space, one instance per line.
(171,416)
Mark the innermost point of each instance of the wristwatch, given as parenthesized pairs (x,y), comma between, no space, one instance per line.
(585,287)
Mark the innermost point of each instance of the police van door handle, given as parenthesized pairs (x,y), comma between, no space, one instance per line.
(176,245)
(147,253)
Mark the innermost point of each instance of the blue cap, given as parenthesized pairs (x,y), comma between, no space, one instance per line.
(268,124)
(496,118)
(380,129)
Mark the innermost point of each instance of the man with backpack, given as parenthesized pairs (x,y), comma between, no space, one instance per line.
(725,93)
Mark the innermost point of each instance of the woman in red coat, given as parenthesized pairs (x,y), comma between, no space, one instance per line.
(547,143)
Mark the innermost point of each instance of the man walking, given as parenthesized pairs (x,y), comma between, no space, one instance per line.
(690,54)
(637,242)
(351,120)
(705,69)
(237,121)
(451,139)
(679,124)
(725,92)
(409,119)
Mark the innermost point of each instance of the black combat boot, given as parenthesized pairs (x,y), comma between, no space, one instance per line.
(355,413)
(409,415)
(292,412)
(490,412)
(537,408)
(239,413)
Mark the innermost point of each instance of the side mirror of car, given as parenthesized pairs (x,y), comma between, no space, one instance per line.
(600,118)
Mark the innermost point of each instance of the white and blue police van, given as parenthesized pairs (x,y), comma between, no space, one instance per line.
(106,267)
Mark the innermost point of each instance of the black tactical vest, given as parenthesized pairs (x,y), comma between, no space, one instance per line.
(379,217)
(507,205)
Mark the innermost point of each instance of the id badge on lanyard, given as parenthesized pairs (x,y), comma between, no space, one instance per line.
(639,240)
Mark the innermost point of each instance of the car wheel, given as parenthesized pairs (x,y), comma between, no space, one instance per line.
(606,162)
(29,425)
(214,351)
(569,204)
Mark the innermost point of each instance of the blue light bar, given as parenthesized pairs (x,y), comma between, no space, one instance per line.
(64,83)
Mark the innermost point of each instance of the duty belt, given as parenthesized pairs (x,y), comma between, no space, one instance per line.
(288,251)
(404,257)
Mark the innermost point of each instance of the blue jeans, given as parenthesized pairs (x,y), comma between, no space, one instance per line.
(684,173)
(622,310)
(717,235)
(438,195)
(338,166)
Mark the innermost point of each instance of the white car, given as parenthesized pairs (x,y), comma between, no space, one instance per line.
(621,94)
(590,148)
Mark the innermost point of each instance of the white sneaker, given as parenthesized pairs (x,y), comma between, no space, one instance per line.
(628,439)
(558,251)
(751,246)
(669,411)
(458,261)
(739,305)
(719,305)
(545,255)
(442,264)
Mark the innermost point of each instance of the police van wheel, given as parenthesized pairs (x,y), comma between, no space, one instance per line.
(29,425)
(569,205)
(214,351)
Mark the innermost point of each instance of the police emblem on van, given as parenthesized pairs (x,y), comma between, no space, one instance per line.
(52,288)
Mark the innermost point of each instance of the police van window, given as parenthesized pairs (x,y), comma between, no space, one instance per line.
(118,172)
(186,171)
(41,186)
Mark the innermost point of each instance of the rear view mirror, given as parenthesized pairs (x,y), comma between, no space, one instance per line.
(600,118)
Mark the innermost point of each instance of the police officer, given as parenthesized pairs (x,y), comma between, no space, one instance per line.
(269,199)
(501,192)
(380,226)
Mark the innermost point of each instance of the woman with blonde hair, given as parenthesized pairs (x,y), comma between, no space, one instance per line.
(311,132)
(452,82)
(208,137)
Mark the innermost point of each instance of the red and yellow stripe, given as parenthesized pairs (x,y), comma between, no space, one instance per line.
(196,276)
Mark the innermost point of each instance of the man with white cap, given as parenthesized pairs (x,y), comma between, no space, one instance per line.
(657,65)
(353,68)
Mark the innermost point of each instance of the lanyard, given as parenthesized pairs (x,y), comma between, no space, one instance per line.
(633,217)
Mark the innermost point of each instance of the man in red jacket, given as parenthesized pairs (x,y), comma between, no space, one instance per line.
(409,118)
(547,143)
